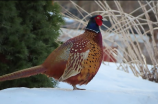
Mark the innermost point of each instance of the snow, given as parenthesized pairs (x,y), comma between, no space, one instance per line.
(109,86)
(68,19)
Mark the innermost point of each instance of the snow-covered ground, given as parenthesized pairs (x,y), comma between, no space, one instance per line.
(109,86)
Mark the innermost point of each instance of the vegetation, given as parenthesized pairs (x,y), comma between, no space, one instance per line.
(28,33)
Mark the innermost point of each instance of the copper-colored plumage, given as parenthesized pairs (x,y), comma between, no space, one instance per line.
(75,62)
(84,53)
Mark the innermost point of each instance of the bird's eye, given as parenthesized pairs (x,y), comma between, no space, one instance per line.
(98,18)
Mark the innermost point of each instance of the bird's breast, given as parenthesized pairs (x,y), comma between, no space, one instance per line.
(91,63)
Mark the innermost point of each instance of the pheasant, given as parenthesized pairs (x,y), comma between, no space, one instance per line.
(76,61)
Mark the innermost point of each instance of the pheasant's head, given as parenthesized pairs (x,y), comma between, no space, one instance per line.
(98,20)
(94,23)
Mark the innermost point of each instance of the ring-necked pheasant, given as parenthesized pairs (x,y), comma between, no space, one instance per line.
(76,61)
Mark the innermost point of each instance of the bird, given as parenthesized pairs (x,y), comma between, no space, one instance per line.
(75,62)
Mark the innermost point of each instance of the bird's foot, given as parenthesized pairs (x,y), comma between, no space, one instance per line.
(75,88)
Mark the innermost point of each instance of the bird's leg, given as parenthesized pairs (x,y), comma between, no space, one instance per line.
(75,88)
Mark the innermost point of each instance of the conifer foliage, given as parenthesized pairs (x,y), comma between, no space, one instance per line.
(28,30)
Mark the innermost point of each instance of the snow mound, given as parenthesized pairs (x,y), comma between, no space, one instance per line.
(109,86)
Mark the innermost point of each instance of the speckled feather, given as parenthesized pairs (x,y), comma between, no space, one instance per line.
(80,57)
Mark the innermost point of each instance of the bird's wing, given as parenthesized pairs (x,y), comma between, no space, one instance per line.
(78,53)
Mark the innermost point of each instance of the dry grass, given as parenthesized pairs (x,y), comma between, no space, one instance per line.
(133,59)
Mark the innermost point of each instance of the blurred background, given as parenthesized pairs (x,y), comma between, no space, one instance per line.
(90,6)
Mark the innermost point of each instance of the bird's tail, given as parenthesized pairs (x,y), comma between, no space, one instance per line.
(23,73)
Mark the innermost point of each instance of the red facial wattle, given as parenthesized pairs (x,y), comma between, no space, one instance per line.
(98,20)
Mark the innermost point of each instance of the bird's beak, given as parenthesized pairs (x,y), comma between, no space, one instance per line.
(104,19)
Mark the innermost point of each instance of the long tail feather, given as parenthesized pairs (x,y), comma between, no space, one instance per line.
(23,73)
